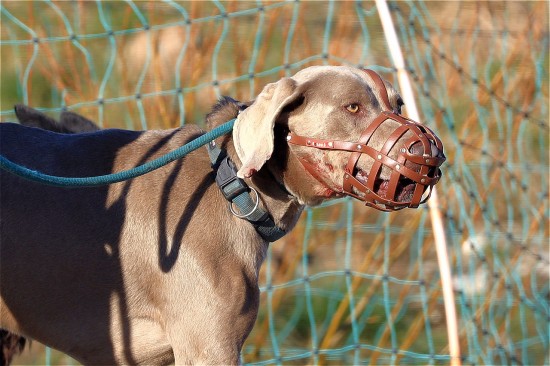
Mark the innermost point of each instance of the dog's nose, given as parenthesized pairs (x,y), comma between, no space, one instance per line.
(418,149)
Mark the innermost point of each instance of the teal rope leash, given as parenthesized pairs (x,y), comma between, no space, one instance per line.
(100,180)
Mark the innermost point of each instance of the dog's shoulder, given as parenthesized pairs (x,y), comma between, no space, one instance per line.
(170,138)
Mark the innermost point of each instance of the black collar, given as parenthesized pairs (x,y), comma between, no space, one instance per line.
(236,191)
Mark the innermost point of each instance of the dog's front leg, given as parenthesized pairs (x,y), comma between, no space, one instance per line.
(219,313)
(207,343)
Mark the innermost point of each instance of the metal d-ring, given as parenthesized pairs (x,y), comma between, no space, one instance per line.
(241,216)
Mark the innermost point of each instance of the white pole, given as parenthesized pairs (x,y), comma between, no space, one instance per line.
(433,203)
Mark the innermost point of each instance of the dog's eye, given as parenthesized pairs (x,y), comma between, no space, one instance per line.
(353,107)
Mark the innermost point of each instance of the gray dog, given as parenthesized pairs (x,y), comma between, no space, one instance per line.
(157,269)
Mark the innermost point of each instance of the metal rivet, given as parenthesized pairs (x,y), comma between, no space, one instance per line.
(398,167)
(346,176)
(368,191)
(358,147)
(288,138)
(422,180)
(330,144)
(403,150)
(308,142)
(427,161)
(379,156)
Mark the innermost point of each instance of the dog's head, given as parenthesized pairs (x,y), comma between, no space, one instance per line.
(346,129)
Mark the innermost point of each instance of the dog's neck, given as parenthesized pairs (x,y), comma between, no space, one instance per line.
(269,181)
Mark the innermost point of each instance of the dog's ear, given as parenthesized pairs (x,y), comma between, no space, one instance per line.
(28,116)
(75,123)
(69,122)
(253,130)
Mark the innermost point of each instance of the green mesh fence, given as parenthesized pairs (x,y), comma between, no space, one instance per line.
(350,285)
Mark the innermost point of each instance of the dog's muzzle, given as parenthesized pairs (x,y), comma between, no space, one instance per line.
(414,171)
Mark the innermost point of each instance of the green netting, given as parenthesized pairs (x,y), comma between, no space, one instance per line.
(349,285)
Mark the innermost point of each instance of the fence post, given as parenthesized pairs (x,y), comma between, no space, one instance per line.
(433,203)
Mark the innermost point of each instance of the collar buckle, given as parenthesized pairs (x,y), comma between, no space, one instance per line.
(226,178)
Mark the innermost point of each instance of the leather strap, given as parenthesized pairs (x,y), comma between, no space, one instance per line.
(354,147)
(426,161)
(381,86)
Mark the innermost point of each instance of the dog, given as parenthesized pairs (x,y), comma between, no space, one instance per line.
(164,267)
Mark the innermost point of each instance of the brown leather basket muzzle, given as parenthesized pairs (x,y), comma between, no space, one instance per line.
(414,170)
